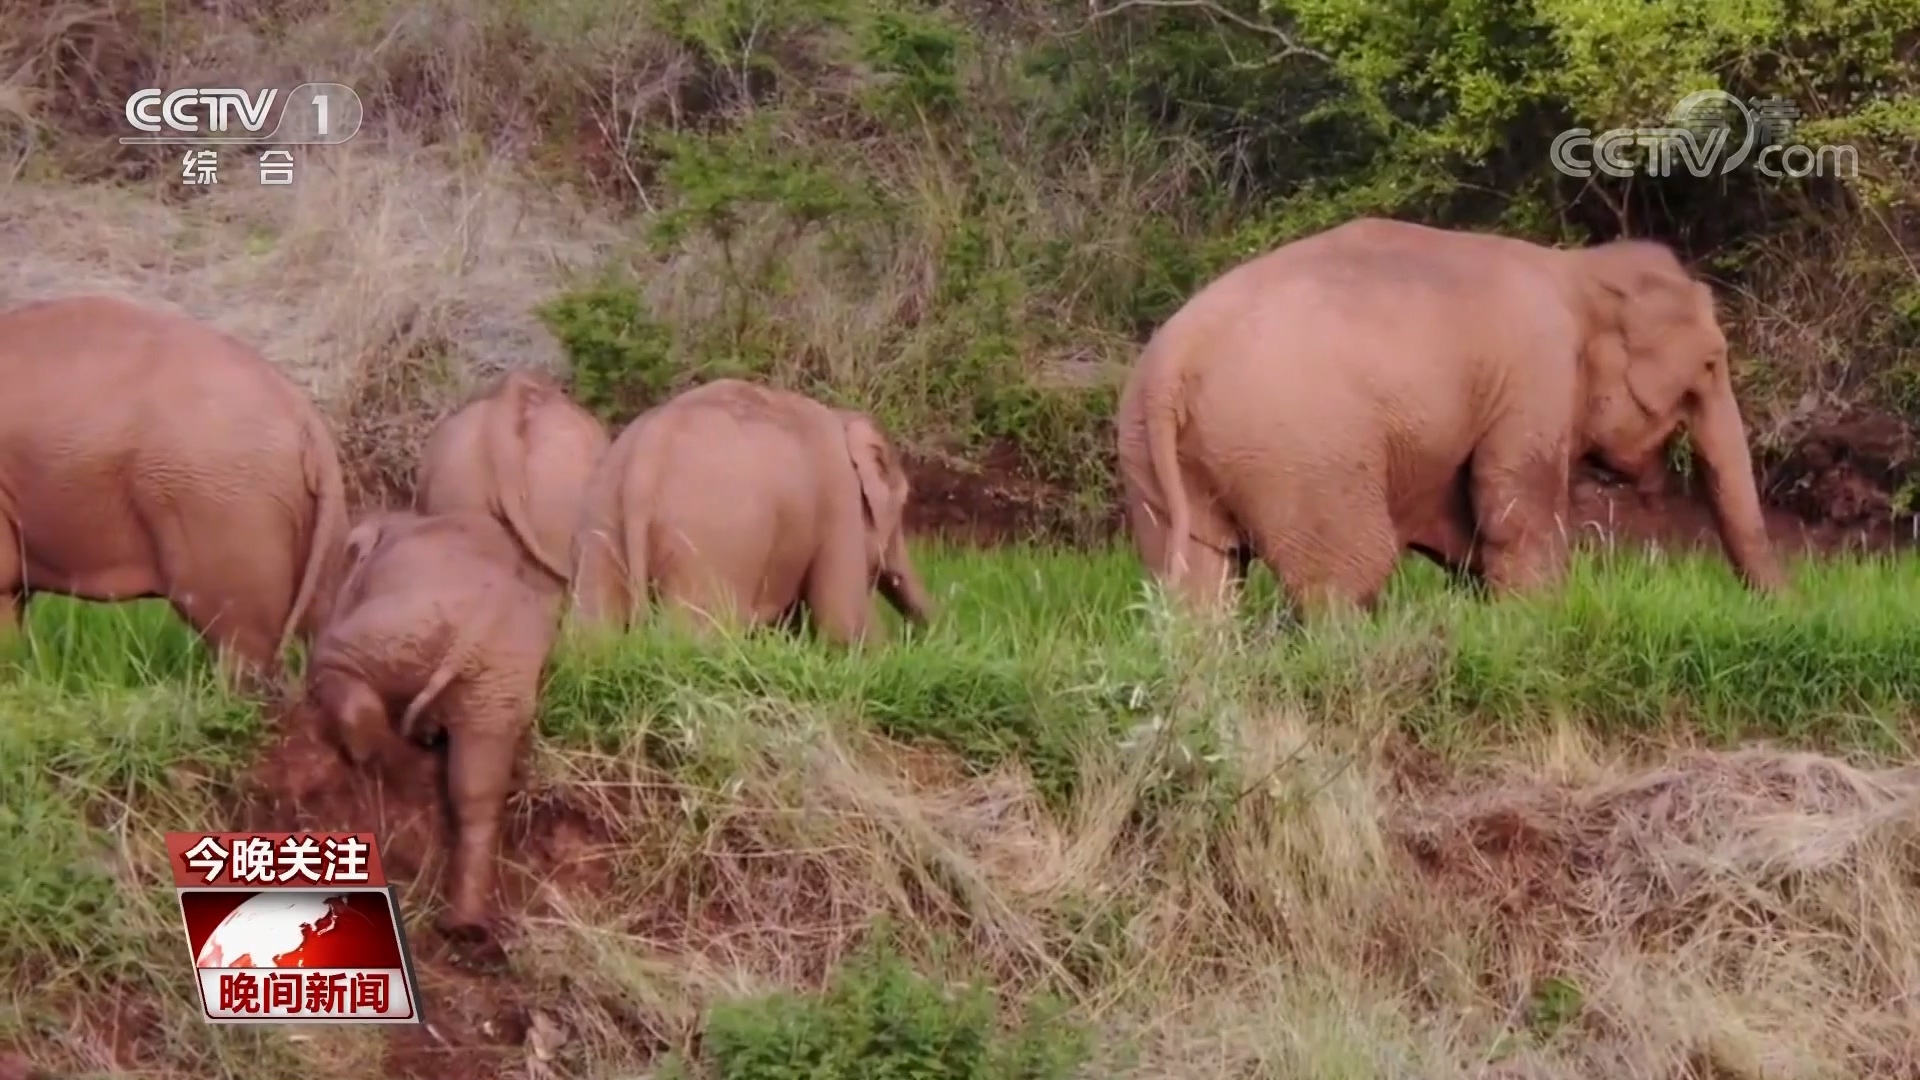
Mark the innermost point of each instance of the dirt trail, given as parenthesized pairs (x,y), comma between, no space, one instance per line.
(476,1017)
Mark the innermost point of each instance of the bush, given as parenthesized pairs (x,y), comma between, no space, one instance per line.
(879,1019)
(621,360)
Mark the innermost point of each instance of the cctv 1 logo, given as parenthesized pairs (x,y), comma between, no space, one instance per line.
(311,114)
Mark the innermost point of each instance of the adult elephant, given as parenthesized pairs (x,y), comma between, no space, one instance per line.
(521,451)
(745,504)
(146,454)
(1384,386)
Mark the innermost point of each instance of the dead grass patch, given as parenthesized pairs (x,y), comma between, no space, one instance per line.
(1744,914)
(387,280)
(1756,908)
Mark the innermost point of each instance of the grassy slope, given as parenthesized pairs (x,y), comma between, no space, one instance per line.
(1202,845)
(1222,854)
(962,221)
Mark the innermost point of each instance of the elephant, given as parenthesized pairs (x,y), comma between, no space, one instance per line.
(522,451)
(440,618)
(744,502)
(1384,386)
(144,453)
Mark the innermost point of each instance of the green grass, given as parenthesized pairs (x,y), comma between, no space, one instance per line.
(1039,654)
(112,730)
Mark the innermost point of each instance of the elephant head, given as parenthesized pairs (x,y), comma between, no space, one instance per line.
(1656,359)
(883,499)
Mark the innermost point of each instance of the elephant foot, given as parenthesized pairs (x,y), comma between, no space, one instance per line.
(476,947)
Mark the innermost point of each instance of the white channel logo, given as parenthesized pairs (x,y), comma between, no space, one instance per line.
(1695,136)
(311,114)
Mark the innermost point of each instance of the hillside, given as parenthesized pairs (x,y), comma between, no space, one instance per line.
(1650,827)
(963,218)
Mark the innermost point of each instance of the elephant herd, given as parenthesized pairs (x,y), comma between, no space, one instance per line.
(1376,388)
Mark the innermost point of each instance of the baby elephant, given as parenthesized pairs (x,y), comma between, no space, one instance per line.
(441,619)
(740,501)
(521,451)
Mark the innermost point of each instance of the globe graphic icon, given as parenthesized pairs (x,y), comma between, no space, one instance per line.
(272,930)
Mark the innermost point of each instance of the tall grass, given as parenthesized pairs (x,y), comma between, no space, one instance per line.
(1040,652)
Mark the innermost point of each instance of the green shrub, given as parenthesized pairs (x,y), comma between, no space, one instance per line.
(621,360)
(879,1019)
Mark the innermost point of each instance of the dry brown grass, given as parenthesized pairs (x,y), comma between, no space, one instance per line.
(376,247)
(386,280)
(1741,915)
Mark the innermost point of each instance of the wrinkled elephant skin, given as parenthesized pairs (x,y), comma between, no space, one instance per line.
(738,503)
(1383,386)
(146,454)
(521,451)
(436,619)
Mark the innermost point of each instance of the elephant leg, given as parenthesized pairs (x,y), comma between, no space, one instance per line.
(13,582)
(1146,524)
(483,746)
(838,592)
(702,598)
(1214,575)
(1337,559)
(243,648)
(241,630)
(233,581)
(1448,541)
(1519,478)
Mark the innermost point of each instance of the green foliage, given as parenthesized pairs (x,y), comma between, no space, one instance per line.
(621,360)
(879,1019)
(86,731)
(740,42)
(720,178)
(1466,85)
(919,55)
(914,209)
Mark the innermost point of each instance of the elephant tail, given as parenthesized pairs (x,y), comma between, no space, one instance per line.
(320,461)
(506,441)
(610,548)
(441,678)
(1161,407)
(636,535)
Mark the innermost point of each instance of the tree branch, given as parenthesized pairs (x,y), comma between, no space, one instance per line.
(1288,46)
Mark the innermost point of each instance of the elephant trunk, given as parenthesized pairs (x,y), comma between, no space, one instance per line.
(1720,438)
(901,584)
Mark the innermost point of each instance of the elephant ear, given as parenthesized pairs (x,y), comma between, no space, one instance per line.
(1658,312)
(881,477)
